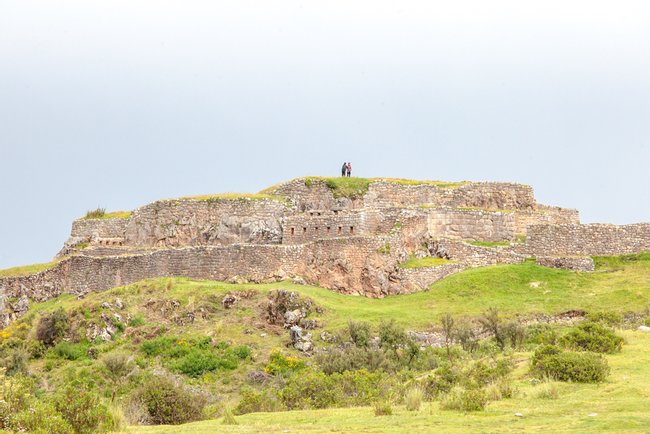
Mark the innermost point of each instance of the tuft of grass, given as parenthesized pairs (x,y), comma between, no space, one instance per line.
(24,270)
(427,261)
(229,417)
(383,408)
(101,214)
(414,398)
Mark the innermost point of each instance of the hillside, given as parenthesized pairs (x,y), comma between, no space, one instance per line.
(368,304)
(237,359)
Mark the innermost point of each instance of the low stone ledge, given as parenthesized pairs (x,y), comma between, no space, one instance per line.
(585,264)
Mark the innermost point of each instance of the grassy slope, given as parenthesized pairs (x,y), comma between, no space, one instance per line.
(621,405)
(618,286)
(24,270)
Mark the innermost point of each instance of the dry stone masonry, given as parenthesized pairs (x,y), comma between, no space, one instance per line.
(307,231)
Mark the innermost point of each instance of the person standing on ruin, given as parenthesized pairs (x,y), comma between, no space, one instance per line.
(344,169)
(349,169)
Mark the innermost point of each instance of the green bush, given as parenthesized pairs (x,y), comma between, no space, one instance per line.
(465,400)
(197,362)
(391,335)
(159,345)
(16,361)
(611,319)
(279,364)
(594,337)
(41,417)
(81,408)
(52,327)
(166,403)
(253,401)
(583,367)
(359,333)
(242,352)
(355,358)
(311,389)
(441,382)
(71,351)
(541,334)
(96,213)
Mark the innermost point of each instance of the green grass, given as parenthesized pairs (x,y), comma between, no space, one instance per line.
(427,261)
(24,270)
(439,184)
(235,196)
(489,243)
(99,214)
(342,186)
(620,405)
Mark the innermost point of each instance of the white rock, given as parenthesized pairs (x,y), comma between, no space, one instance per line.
(644,328)
(592,414)
(519,415)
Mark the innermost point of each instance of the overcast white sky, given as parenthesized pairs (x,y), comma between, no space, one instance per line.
(118,103)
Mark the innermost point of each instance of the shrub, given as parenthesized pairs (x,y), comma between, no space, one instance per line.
(312,389)
(197,362)
(466,335)
(253,401)
(591,336)
(514,333)
(441,382)
(159,345)
(413,399)
(465,400)
(81,408)
(491,323)
(16,361)
(279,364)
(116,369)
(242,352)
(383,408)
(541,334)
(611,319)
(391,335)
(355,358)
(52,327)
(41,417)
(569,366)
(70,351)
(163,402)
(359,333)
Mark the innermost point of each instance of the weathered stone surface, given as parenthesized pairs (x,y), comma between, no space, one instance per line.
(229,301)
(571,263)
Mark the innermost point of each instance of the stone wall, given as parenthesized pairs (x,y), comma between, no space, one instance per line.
(422,278)
(99,228)
(174,223)
(544,215)
(587,240)
(488,195)
(471,225)
(477,256)
(573,263)
(313,194)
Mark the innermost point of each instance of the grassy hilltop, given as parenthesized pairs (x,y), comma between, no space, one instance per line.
(235,365)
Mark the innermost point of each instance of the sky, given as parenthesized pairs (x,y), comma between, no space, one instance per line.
(115,104)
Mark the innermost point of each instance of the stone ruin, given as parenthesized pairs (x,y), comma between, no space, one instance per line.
(303,230)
